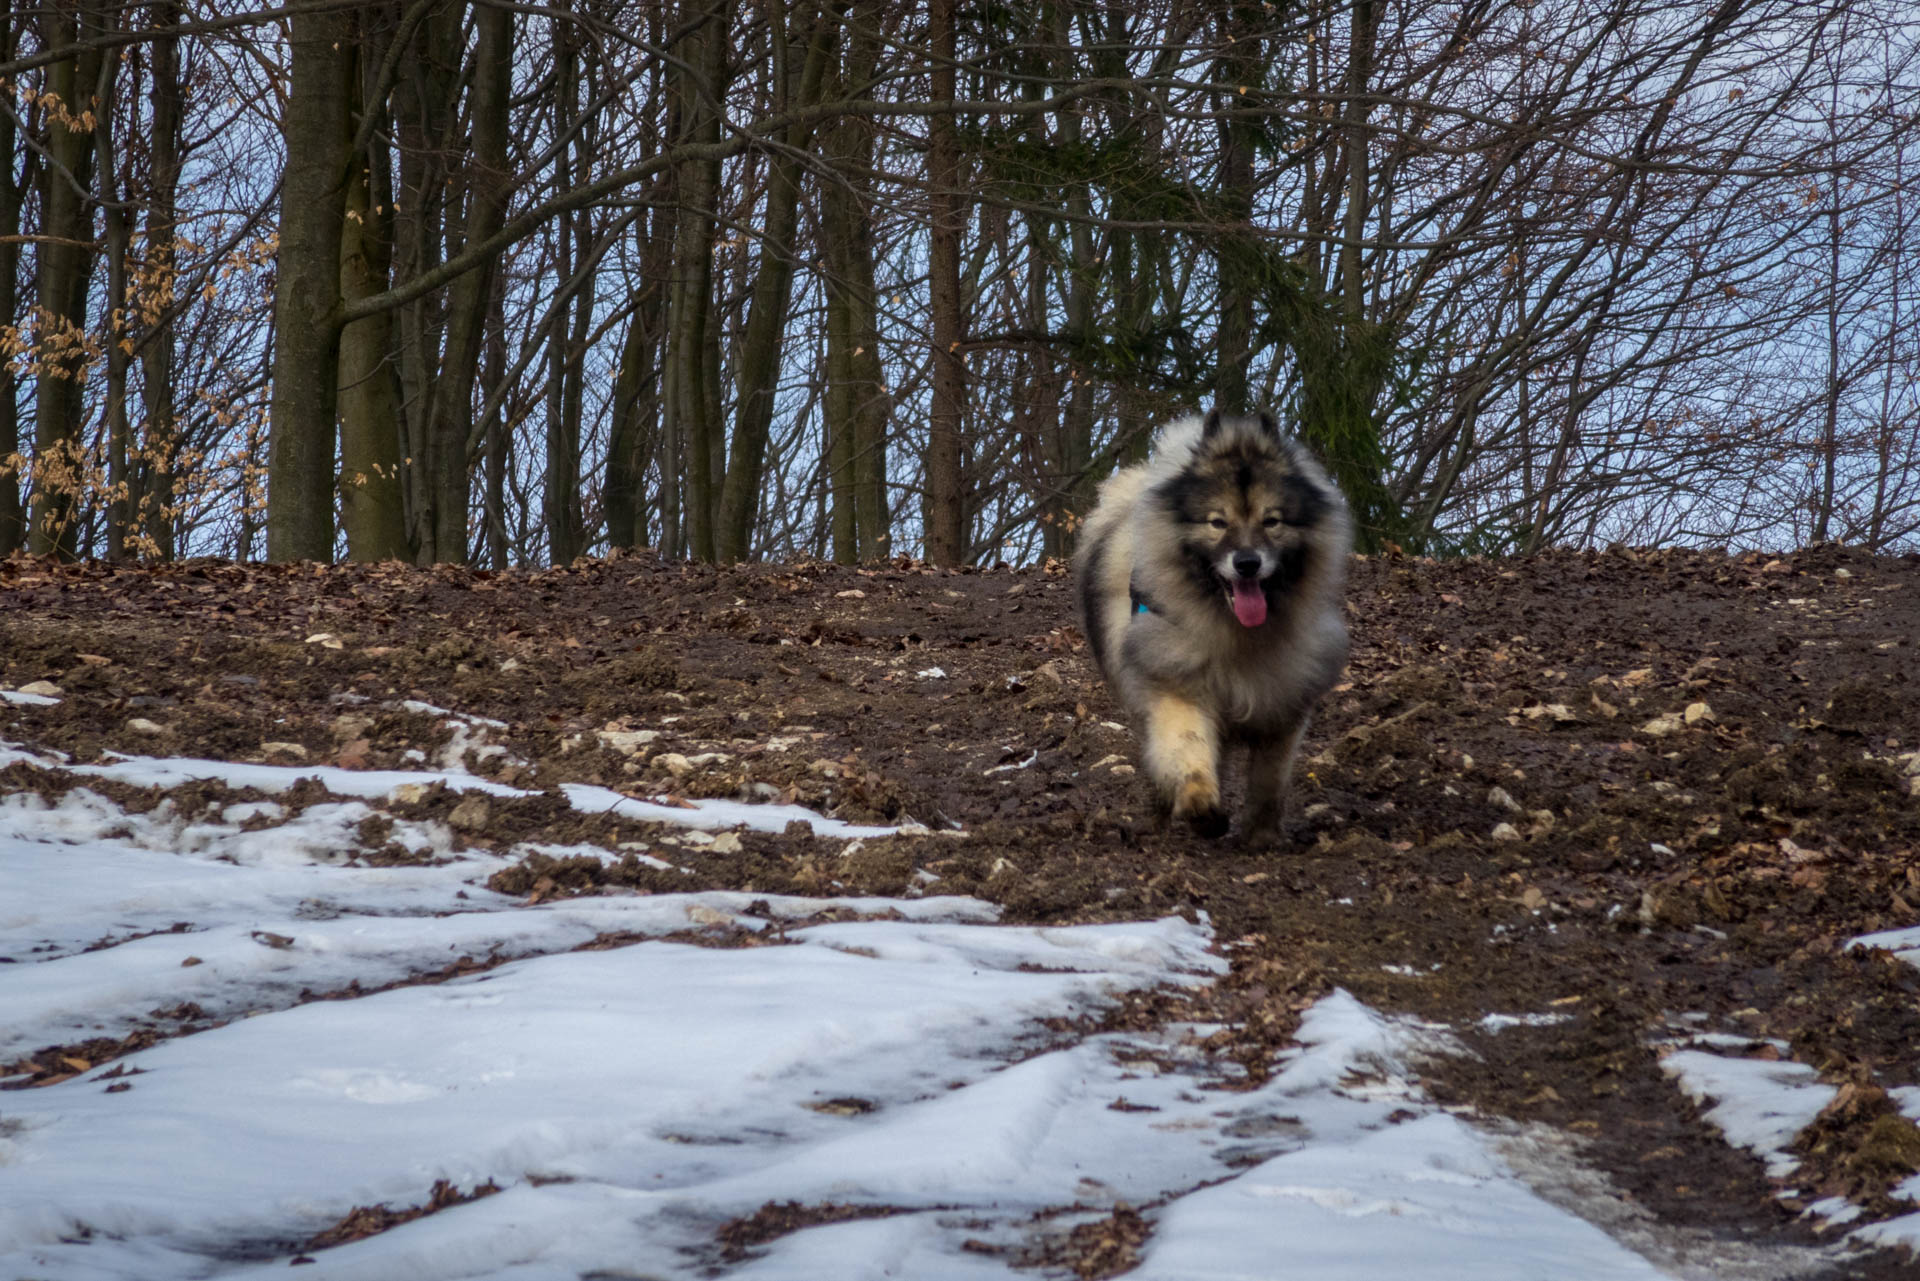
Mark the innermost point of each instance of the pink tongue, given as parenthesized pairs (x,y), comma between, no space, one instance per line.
(1249,603)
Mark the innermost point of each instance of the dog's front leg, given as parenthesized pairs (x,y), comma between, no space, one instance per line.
(1183,760)
(1269,780)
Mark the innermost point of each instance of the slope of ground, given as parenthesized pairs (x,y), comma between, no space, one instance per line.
(1589,811)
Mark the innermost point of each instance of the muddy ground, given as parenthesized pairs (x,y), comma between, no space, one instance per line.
(1624,786)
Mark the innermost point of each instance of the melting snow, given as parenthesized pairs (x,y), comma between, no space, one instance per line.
(630,1101)
(1759,1104)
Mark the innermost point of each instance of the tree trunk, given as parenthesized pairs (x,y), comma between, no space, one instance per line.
(450,429)
(870,403)
(693,342)
(1355,143)
(306,296)
(155,507)
(13,195)
(837,413)
(944,515)
(809,40)
(372,504)
(1072,454)
(122,474)
(1237,71)
(1829,455)
(635,417)
(423,111)
(499,440)
(65,265)
(636,398)
(560,494)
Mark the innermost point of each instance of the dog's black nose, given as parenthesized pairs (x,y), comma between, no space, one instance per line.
(1246,564)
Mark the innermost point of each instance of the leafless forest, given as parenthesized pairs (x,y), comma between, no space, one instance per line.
(504,282)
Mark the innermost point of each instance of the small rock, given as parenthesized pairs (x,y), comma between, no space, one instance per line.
(1505,832)
(94,660)
(1661,726)
(824,767)
(1697,712)
(141,725)
(673,763)
(1501,798)
(726,843)
(701,914)
(275,748)
(627,741)
(357,754)
(408,794)
(1112,759)
(471,814)
(45,689)
(280,942)
(1123,771)
(350,725)
(852,593)
(326,640)
(1838,573)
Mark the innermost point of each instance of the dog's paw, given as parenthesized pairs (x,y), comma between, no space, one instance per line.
(1263,827)
(1264,838)
(1210,823)
(1197,791)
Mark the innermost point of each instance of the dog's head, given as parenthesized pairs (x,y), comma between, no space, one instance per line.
(1248,504)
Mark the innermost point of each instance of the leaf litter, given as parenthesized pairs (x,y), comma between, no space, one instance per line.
(1718,869)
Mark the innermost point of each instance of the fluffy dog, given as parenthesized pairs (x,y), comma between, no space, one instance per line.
(1210,581)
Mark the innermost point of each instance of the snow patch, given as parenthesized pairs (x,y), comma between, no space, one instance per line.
(1759,1104)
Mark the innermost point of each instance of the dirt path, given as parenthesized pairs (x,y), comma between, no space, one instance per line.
(1637,793)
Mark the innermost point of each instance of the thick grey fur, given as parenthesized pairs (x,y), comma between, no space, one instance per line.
(1147,539)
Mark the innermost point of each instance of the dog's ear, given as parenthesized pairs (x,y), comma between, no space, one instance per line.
(1211,426)
(1268,425)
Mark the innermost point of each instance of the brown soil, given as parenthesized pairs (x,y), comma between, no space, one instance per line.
(364,1221)
(741,1239)
(1650,865)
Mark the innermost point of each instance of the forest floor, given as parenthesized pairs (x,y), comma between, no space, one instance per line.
(1596,814)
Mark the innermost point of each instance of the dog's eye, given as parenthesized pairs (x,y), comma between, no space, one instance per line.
(1271,522)
(1217,522)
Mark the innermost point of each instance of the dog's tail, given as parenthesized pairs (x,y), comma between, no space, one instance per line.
(1103,565)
